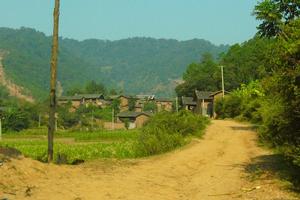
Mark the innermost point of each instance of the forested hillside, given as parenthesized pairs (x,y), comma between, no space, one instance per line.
(136,65)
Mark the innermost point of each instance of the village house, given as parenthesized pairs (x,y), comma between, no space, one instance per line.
(139,101)
(124,102)
(75,101)
(83,99)
(134,119)
(164,104)
(205,102)
(188,103)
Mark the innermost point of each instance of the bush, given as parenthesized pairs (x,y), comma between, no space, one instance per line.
(167,131)
(228,107)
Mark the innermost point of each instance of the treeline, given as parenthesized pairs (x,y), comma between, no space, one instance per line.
(148,63)
(263,75)
(242,63)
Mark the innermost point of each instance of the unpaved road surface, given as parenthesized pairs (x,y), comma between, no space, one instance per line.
(211,168)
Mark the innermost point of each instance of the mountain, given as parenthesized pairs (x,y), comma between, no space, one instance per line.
(134,65)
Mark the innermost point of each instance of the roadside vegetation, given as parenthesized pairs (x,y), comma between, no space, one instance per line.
(262,76)
(273,101)
(164,132)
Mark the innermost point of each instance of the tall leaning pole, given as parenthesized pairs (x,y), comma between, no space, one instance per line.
(53,75)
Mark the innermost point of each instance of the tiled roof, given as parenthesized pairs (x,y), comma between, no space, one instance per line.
(81,96)
(188,101)
(164,99)
(203,94)
(133,114)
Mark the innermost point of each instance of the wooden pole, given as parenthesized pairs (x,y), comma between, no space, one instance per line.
(223,87)
(113,119)
(39,120)
(92,120)
(53,75)
(177,104)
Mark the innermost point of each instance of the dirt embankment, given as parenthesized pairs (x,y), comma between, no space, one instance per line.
(215,167)
(13,89)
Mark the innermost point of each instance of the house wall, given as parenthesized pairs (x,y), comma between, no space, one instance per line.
(141,120)
(124,104)
(216,97)
(164,106)
(206,109)
(76,104)
(113,126)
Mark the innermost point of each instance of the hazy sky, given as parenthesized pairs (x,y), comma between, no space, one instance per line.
(220,21)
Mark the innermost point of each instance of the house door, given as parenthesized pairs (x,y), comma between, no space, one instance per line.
(210,109)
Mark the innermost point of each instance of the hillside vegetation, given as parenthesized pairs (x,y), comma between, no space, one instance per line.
(153,64)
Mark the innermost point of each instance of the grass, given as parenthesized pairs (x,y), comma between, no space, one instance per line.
(77,135)
(71,153)
(85,146)
(163,133)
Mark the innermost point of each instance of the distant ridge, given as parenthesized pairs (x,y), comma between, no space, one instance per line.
(134,65)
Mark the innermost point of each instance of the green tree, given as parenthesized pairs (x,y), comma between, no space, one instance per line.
(150,106)
(95,88)
(202,76)
(131,104)
(274,14)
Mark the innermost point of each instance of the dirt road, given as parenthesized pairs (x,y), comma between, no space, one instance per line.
(211,168)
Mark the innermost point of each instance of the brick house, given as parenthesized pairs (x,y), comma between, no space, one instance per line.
(164,104)
(83,99)
(205,102)
(188,103)
(135,119)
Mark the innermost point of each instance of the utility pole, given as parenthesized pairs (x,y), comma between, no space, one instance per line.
(223,87)
(39,120)
(113,119)
(177,104)
(53,74)
(92,120)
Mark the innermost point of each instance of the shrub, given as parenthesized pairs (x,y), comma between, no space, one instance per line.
(167,131)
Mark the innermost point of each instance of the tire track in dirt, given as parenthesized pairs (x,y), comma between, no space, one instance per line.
(210,168)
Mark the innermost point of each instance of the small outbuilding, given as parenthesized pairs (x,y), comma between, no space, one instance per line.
(205,102)
(164,104)
(188,103)
(135,119)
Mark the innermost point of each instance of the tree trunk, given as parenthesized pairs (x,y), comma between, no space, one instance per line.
(53,74)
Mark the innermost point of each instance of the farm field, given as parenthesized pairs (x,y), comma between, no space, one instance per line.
(73,147)
(225,164)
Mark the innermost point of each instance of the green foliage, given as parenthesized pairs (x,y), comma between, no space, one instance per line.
(131,104)
(166,131)
(246,62)
(202,76)
(67,119)
(124,64)
(126,123)
(150,106)
(274,14)
(15,120)
(95,88)
(229,107)
(18,115)
(242,63)
(73,152)
(243,103)
(275,102)
(3,93)
(116,105)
